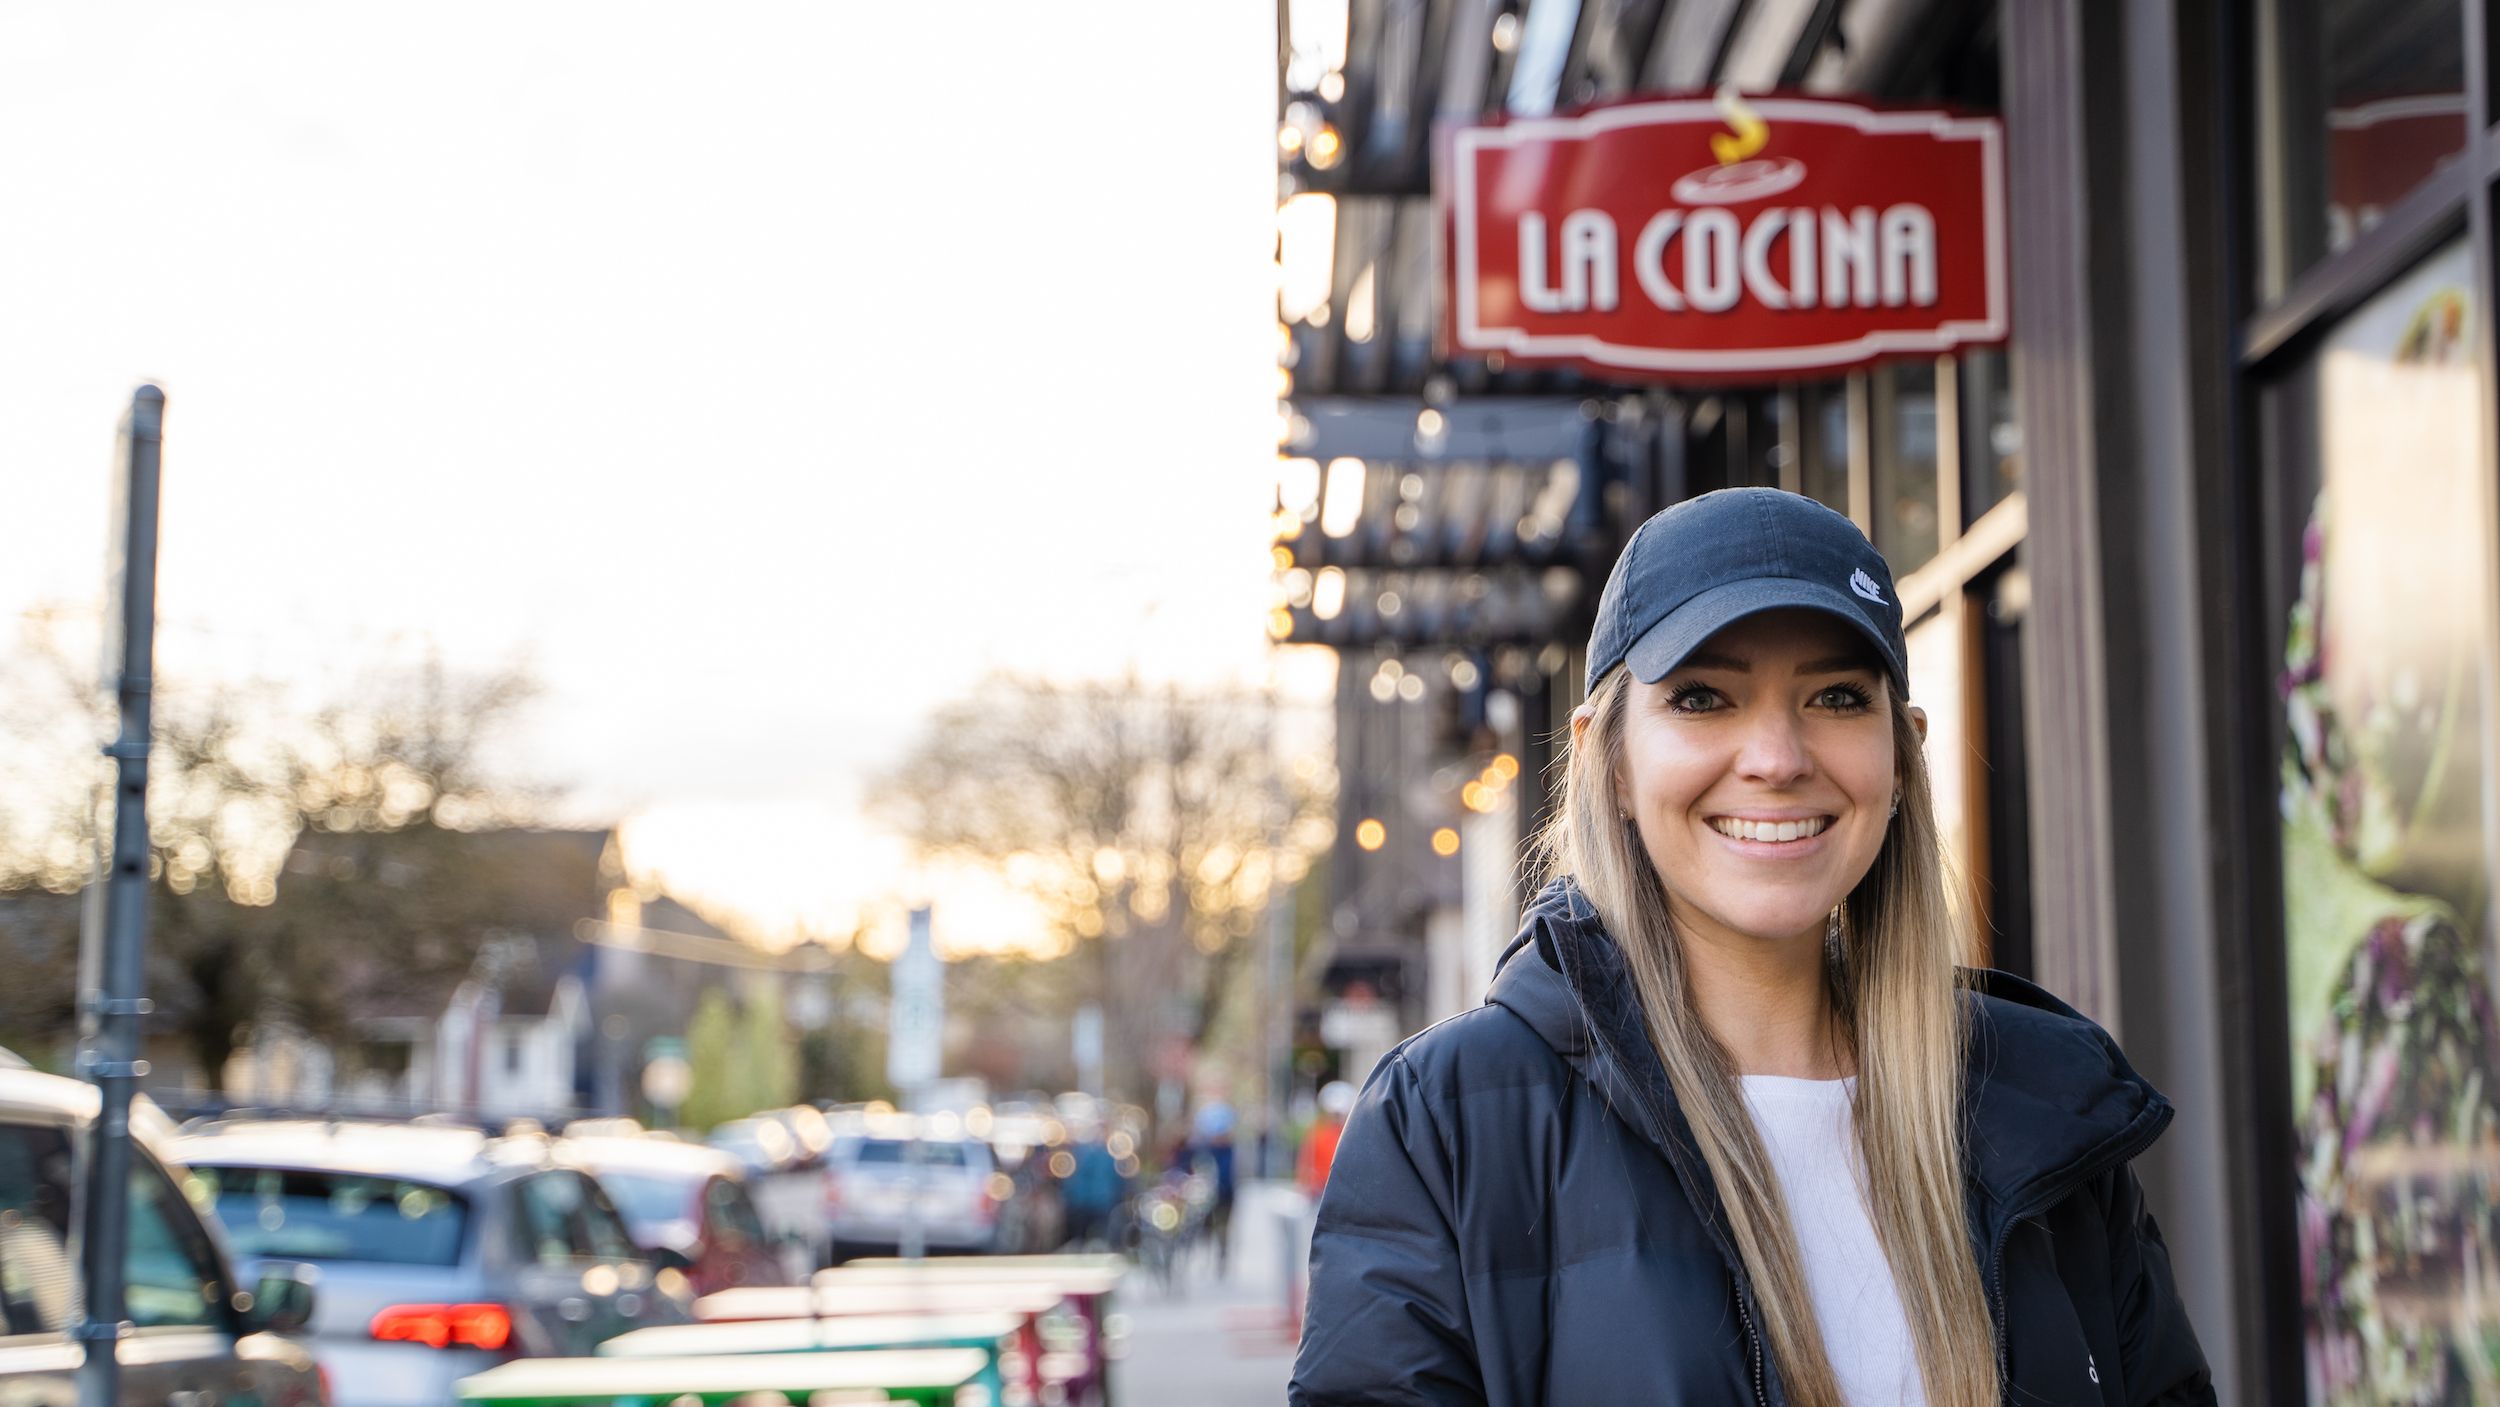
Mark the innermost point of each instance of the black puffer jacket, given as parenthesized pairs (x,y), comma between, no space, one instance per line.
(1518,1213)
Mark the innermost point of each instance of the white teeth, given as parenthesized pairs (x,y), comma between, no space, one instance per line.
(1774,832)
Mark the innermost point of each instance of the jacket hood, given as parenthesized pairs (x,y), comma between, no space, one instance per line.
(2050,1099)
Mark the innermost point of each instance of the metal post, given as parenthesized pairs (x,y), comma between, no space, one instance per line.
(1278,1038)
(912,1242)
(112,1010)
(1276,978)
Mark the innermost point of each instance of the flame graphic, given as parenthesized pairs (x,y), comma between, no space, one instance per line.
(1747,133)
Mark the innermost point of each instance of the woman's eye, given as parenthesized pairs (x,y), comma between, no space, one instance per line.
(1844,698)
(1693,698)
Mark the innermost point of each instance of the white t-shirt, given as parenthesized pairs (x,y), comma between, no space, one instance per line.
(1813,1142)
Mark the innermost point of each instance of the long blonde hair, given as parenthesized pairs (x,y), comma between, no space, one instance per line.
(1896,996)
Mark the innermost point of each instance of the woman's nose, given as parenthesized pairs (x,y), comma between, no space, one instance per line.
(1774,750)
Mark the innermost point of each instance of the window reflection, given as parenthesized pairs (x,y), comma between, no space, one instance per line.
(1992,442)
(1905,464)
(2370,97)
(1937,665)
(1762,418)
(2378,150)
(1824,443)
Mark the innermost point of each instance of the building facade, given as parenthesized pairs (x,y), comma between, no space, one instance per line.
(2199,568)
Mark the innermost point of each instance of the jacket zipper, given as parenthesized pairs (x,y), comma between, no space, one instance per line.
(1996,1280)
(1754,1341)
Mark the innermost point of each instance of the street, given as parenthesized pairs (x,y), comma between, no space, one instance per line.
(1216,1343)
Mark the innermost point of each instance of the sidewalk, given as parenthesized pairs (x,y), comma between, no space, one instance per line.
(1216,1343)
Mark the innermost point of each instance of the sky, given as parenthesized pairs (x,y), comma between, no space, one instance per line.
(761,375)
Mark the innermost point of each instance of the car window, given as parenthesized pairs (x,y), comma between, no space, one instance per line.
(648,1196)
(890,1152)
(38,1282)
(548,1223)
(603,1231)
(726,1207)
(171,1274)
(300,1215)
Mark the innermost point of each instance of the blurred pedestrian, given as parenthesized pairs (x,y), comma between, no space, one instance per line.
(1211,1151)
(1319,1146)
(1732,1126)
(1091,1192)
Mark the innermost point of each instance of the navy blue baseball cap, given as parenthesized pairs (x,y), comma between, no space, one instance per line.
(1708,562)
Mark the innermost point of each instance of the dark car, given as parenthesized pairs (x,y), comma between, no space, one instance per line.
(687,1203)
(442,1251)
(195,1337)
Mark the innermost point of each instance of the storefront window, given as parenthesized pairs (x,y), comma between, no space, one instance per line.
(1823,415)
(2003,601)
(2395,1064)
(2368,99)
(1992,443)
(1767,442)
(1937,663)
(1904,400)
(1742,440)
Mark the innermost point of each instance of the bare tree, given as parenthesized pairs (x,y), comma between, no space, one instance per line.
(301,861)
(1152,826)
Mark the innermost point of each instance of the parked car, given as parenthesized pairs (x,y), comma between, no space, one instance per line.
(197,1338)
(811,1134)
(442,1251)
(687,1205)
(760,1144)
(618,1127)
(873,1186)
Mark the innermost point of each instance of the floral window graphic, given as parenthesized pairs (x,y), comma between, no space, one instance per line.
(2396,1060)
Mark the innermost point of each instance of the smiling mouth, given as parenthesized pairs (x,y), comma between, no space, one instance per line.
(1770,832)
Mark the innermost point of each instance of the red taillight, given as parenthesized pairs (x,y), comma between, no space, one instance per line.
(833,1193)
(487,1326)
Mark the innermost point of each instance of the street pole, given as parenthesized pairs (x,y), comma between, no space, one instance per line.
(110,1012)
(912,1242)
(915,1032)
(1279,1029)
(1278,977)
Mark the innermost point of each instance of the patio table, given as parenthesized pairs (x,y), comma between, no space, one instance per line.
(985,1331)
(1087,1281)
(926,1376)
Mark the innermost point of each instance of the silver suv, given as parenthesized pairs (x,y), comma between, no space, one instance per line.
(876,1183)
(195,1338)
(442,1251)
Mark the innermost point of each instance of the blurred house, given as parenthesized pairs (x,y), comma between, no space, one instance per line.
(547,1008)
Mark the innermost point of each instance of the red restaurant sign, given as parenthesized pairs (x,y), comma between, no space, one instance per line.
(1727,238)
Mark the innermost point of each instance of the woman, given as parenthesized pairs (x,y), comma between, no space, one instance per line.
(1730,1127)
